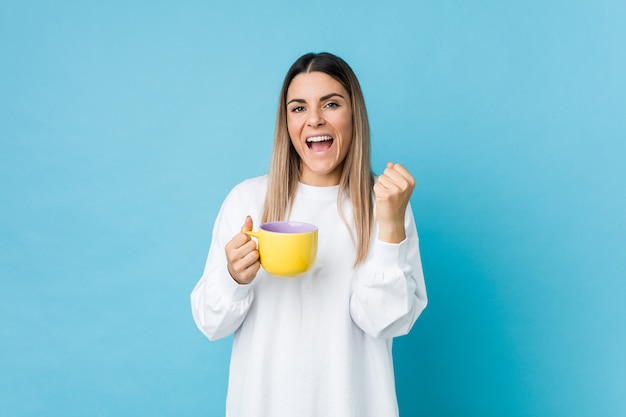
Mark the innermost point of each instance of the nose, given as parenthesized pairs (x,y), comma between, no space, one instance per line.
(315,118)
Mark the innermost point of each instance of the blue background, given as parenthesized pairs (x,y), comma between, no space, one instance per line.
(124,124)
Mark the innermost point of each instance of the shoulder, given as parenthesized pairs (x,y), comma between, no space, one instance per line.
(245,198)
(249,190)
(253,185)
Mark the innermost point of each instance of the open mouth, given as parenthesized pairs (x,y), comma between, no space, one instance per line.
(319,143)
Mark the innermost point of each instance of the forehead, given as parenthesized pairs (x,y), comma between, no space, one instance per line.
(313,85)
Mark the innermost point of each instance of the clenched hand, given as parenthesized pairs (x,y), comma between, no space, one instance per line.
(392,191)
(242,256)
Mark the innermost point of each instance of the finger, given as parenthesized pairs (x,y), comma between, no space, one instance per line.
(385,190)
(391,172)
(247,225)
(379,190)
(399,176)
(391,179)
(243,251)
(396,167)
(386,182)
(242,258)
(239,240)
(245,262)
(238,247)
(248,274)
(244,275)
(248,260)
(400,169)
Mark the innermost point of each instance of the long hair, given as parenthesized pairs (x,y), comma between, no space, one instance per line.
(356,181)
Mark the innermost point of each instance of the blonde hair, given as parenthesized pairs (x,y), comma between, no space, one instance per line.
(357,180)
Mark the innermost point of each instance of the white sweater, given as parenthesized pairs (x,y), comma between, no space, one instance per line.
(319,344)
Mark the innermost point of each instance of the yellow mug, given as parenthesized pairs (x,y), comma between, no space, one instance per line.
(286,249)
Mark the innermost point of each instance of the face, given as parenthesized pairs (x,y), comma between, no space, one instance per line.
(319,121)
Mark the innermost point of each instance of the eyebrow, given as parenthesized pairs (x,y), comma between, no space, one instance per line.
(323,98)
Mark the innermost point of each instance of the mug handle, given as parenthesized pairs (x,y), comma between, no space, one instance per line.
(252,234)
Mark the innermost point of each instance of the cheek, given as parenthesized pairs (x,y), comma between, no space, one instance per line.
(346,136)
(346,130)
(292,128)
(293,137)
(344,125)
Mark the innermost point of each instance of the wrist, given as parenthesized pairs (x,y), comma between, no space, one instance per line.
(391,232)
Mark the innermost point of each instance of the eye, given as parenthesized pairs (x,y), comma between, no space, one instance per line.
(331,105)
(297,109)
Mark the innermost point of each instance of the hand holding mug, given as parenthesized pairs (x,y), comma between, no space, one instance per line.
(393,191)
(242,256)
(287,249)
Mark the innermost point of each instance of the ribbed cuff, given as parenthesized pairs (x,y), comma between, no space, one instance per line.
(388,254)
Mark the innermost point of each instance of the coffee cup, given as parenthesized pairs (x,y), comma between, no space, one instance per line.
(286,249)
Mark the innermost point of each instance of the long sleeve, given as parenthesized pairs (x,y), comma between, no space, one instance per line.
(388,291)
(219,304)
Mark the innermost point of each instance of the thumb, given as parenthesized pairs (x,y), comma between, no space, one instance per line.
(247,226)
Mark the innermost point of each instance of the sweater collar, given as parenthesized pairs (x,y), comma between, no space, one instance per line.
(318,193)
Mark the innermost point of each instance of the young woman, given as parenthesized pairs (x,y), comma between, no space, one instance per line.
(318,344)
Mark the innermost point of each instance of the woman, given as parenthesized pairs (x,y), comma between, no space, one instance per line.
(319,344)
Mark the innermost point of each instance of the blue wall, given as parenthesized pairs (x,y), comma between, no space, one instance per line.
(124,124)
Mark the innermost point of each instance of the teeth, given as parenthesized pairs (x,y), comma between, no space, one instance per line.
(319,139)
